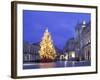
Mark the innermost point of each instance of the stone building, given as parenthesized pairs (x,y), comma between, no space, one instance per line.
(30,52)
(83,40)
(69,49)
(86,41)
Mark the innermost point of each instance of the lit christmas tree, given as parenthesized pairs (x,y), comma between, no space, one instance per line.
(47,51)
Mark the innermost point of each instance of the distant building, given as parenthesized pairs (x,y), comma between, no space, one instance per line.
(30,52)
(86,41)
(69,49)
(34,50)
(83,41)
(26,52)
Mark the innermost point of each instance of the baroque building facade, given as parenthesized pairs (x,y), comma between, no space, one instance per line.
(30,52)
(79,47)
(69,49)
(83,40)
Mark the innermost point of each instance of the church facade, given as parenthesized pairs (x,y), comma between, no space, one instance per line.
(83,39)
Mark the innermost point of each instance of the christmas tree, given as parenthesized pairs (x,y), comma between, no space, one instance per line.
(47,51)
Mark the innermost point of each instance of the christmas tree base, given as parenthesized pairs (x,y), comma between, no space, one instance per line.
(47,60)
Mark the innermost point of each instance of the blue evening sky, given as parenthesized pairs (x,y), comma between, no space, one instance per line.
(61,25)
